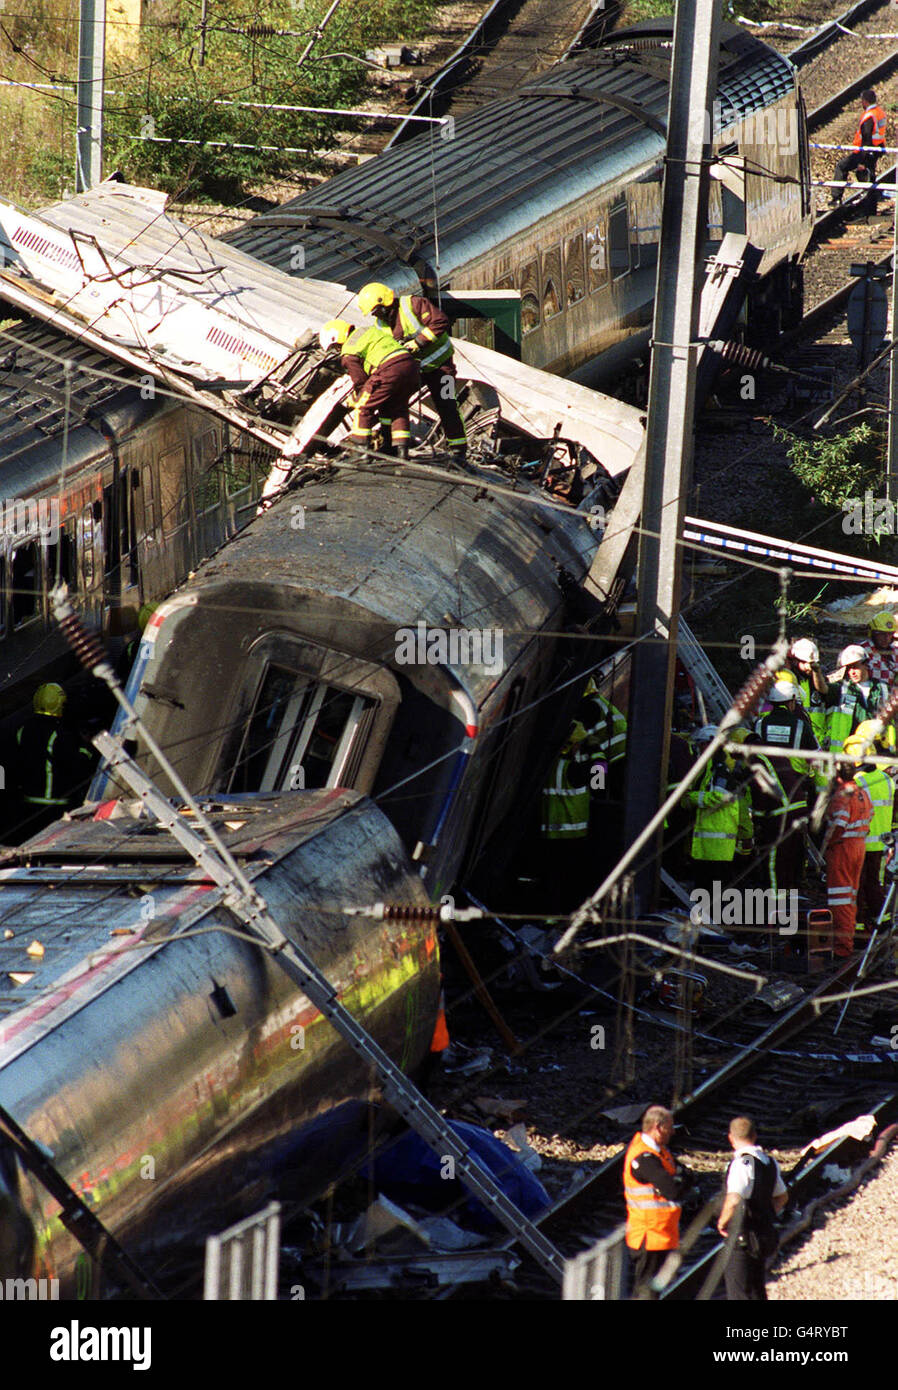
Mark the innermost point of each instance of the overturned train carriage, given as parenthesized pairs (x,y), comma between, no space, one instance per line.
(169,1066)
(555,193)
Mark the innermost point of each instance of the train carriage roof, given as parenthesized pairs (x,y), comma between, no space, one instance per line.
(583,124)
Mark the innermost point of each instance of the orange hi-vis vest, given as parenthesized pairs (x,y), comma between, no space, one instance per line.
(878,116)
(652,1220)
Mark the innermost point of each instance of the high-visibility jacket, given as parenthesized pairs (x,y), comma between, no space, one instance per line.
(878,117)
(850,708)
(565,799)
(814,705)
(421,320)
(606,730)
(722,817)
(51,765)
(367,349)
(881,790)
(652,1220)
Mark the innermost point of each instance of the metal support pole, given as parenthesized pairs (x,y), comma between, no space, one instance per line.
(891,488)
(669,432)
(204,14)
(91,54)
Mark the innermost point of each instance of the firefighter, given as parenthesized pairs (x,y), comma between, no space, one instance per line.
(882,657)
(385,377)
(723,825)
(423,329)
(803,660)
(847,826)
(854,697)
(880,788)
(654,1188)
(784,806)
(567,872)
(51,767)
(869,143)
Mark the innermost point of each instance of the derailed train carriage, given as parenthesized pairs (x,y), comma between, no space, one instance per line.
(171,1071)
(554,194)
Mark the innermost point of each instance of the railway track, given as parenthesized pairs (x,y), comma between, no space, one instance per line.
(790,1074)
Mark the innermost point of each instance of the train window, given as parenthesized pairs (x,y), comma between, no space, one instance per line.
(150,510)
(64,556)
(86,547)
(618,241)
(238,472)
(173,490)
(553,302)
(596,258)
(26,583)
(207,493)
(2,595)
(530,302)
(302,734)
(574,279)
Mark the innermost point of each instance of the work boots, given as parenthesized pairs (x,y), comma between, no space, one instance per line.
(401,452)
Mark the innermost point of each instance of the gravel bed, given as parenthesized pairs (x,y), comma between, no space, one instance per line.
(852,1255)
(845,59)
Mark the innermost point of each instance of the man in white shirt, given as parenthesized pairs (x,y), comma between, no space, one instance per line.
(755,1183)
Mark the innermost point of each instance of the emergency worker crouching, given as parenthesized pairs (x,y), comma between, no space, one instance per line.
(869,144)
(384,376)
(423,329)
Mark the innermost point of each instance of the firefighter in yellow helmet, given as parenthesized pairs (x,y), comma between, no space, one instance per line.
(51,767)
(384,375)
(424,329)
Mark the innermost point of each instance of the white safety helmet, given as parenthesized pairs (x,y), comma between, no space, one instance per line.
(781,691)
(853,656)
(706,734)
(803,649)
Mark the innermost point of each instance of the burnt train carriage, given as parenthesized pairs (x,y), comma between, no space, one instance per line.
(144,489)
(408,643)
(556,193)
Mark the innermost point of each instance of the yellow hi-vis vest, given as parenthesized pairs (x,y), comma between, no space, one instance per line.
(373,346)
(879,787)
(721,818)
(441,350)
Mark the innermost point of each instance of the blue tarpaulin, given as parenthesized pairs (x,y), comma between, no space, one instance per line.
(410,1171)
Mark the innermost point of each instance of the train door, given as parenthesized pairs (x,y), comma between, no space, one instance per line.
(207,491)
(174,501)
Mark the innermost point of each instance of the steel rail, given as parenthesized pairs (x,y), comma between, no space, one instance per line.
(832,31)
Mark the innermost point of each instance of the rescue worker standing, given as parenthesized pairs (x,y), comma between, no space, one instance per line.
(723,824)
(786,726)
(880,788)
(654,1186)
(854,698)
(423,329)
(803,660)
(51,766)
(847,826)
(567,868)
(755,1183)
(384,375)
(882,658)
(869,142)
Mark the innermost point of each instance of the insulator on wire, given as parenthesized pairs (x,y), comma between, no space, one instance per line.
(760,681)
(741,356)
(84,644)
(261,31)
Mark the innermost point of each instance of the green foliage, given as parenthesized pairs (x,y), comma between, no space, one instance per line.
(49,172)
(176,99)
(838,468)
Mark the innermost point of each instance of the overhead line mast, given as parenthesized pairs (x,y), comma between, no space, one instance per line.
(669,434)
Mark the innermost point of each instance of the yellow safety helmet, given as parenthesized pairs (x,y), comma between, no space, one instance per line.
(335,332)
(882,622)
(49,699)
(374,296)
(740,734)
(853,745)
